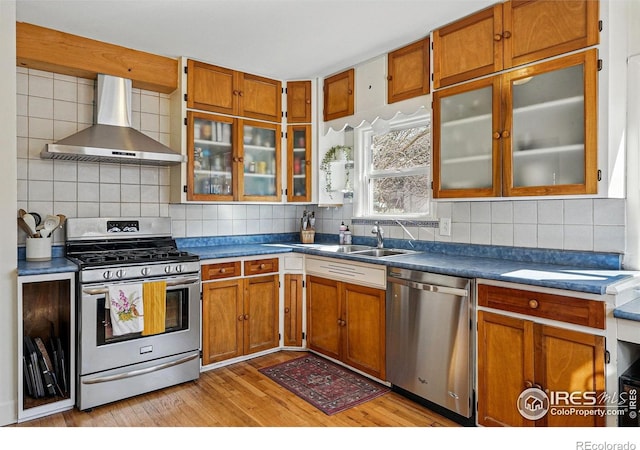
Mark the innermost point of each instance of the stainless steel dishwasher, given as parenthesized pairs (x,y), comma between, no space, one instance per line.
(428,337)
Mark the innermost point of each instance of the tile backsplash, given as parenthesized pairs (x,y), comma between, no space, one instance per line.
(52,106)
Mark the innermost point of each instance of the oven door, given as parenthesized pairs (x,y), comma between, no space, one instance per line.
(101,350)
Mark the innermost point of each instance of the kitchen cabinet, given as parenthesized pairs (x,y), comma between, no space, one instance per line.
(339,95)
(46,309)
(239,313)
(221,90)
(293,288)
(511,34)
(299,101)
(232,159)
(530,131)
(408,71)
(299,166)
(346,321)
(516,353)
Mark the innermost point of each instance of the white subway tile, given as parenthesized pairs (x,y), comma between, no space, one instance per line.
(88,192)
(149,123)
(461,212)
(225,212)
(461,232)
(550,236)
(209,227)
(480,232)
(64,191)
(88,209)
(525,235)
(194,228)
(65,171)
(550,211)
(41,169)
(266,212)
(525,212)
(69,209)
(130,209)
(40,191)
(88,172)
(130,193)
(149,209)
(609,238)
(178,212)
(225,227)
(578,237)
(150,102)
(149,175)
(609,211)
(67,111)
(578,212)
(150,194)
(194,213)
(40,128)
(130,174)
(65,90)
(502,212)
(109,193)
(444,209)
(209,212)
(109,173)
(40,86)
(40,107)
(178,228)
(480,213)
(502,234)
(239,227)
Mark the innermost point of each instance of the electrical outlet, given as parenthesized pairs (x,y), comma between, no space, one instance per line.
(445,226)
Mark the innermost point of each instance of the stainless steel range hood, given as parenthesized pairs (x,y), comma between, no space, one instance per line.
(112,139)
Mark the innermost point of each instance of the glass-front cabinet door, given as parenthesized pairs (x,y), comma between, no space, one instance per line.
(299,163)
(466,140)
(259,174)
(553,129)
(212,152)
(232,159)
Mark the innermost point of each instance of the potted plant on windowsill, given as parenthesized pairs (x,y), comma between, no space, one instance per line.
(337,153)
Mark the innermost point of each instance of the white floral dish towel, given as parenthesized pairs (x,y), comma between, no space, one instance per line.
(126,308)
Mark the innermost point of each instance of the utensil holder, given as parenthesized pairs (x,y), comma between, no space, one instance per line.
(307,236)
(38,249)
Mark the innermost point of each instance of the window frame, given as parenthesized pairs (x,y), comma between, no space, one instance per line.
(363,198)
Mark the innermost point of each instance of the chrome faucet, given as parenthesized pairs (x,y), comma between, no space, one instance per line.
(378,231)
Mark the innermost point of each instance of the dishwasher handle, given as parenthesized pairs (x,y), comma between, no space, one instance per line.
(429,287)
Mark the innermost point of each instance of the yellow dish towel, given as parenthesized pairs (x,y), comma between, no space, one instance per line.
(154,299)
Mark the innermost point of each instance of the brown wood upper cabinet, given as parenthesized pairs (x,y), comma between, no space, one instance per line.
(299,101)
(226,91)
(339,95)
(408,71)
(529,131)
(511,34)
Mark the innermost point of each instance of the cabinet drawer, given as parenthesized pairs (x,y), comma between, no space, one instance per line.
(590,313)
(260,266)
(221,270)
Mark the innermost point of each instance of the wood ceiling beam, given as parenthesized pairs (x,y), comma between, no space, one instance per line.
(54,51)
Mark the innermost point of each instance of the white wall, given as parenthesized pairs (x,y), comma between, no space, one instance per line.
(8,312)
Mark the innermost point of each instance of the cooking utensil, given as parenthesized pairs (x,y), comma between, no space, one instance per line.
(37,217)
(31,223)
(50,224)
(62,218)
(23,225)
(21,212)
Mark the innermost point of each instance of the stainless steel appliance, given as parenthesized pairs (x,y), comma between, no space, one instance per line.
(428,338)
(123,253)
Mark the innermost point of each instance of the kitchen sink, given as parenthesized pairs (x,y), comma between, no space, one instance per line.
(345,248)
(381,252)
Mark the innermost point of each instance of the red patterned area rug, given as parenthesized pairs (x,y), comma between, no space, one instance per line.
(327,386)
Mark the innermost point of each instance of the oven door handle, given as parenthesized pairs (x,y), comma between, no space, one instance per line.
(135,373)
(169,283)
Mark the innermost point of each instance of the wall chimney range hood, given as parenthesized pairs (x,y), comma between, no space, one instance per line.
(111,138)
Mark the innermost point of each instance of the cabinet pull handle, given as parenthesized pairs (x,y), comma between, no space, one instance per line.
(497,37)
(496,135)
(506,34)
(533,303)
(506,134)
(286,310)
(240,317)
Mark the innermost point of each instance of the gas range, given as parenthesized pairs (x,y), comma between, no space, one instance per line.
(125,249)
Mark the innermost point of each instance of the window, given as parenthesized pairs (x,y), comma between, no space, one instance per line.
(395,173)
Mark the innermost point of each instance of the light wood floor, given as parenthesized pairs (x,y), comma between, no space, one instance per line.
(239,396)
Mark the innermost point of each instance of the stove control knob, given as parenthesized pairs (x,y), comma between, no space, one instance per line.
(167,269)
(121,273)
(145,271)
(179,268)
(107,275)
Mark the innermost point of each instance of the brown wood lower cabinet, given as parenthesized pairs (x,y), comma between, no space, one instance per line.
(293,310)
(239,317)
(347,322)
(515,354)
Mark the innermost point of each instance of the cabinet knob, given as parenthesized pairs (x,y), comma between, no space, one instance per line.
(223,270)
(240,93)
(246,317)
(533,303)
(235,159)
(537,386)
(496,135)
(350,91)
(497,37)
(286,310)
(240,159)
(528,384)
(506,34)
(240,317)
(308,101)
(505,134)
(236,92)
(389,78)
(262,266)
